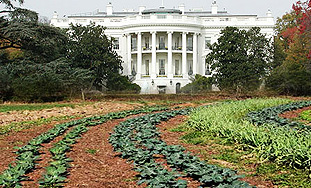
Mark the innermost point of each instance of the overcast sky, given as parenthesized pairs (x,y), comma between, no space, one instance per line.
(68,7)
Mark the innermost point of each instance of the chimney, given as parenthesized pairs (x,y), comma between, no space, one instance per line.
(214,7)
(182,8)
(109,9)
(141,9)
(269,13)
(55,15)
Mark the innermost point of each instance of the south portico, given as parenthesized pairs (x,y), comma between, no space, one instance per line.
(162,61)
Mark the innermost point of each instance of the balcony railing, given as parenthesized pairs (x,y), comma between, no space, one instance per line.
(177,47)
(146,48)
(162,72)
(189,48)
(162,46)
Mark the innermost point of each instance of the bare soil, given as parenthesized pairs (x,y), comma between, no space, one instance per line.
(295,113)
(43,162)
(95,163)
(83,111)
(9,141)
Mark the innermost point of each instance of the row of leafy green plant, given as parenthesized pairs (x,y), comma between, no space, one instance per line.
(227,120)
(138,140)
(271,115)
(57,172)
(306,115)
(29,154)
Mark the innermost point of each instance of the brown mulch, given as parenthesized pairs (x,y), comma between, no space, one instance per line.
(295,113)
(8,142)
(45,158)
(173,138)
(95,163)
(13,139)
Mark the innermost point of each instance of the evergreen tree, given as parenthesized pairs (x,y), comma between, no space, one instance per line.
(90,48)
(241,59)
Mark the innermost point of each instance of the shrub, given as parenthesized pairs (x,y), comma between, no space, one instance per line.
(290,79)
(199,84)
(122,83)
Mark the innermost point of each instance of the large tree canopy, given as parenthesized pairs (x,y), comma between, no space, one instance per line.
(51,81)
(9,4)
(90,48)
(43,63)
(240,58)
(21,30)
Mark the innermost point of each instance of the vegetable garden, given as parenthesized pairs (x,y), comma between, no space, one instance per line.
(253,124)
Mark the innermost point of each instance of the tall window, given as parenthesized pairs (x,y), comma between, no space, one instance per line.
(162,43)
(116,44)
(190,44)
(176,47)
(134,43)
(177,71)
(190,72)
(161,67)
(208,42)
(147,42)
(147,67)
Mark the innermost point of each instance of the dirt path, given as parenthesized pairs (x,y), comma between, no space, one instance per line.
(95,163)
(295,113)
(8,142)
(45,158)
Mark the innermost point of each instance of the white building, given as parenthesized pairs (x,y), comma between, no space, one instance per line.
(163,48)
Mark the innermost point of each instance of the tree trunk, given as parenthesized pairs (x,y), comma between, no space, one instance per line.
(82,93)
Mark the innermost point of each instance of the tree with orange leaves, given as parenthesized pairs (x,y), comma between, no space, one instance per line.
(292,74)
(304,10)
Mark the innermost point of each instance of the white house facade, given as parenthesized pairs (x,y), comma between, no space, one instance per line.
(163,48)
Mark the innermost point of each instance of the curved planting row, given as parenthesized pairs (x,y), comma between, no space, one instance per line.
(138,140)
(306,115)
(271,115)
(29,154)
(57,172)
(283,146)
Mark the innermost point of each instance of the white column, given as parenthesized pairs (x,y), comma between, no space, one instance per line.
(184,54)
(139,56)
(170,55)
(195,53)
(129,54)
(154,56)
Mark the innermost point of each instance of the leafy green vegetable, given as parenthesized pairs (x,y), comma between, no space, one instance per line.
(138,140)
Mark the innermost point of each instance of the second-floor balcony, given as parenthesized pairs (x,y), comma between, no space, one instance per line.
(177,48)
(189,48)
(147,48)
(161,46)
